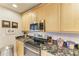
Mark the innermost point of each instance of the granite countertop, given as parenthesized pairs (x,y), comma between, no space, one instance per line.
(31,44)
(22,38)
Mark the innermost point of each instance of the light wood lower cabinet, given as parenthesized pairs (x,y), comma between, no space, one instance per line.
(19,48)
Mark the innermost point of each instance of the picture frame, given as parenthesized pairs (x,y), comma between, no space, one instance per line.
(14,25)
(5,24)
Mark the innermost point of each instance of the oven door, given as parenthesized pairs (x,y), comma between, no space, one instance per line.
(30,50)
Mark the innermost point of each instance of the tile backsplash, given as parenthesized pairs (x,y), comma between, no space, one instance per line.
(65,36)
(55,35)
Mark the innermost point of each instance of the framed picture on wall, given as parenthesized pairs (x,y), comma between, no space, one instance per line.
(5,24)
(14,25)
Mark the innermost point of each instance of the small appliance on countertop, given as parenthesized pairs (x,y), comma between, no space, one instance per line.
(71,47)
(76,50)
(49,42)
(60,43)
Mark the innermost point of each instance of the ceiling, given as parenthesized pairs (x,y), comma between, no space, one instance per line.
(22,7)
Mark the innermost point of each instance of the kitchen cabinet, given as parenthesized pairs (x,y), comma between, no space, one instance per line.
(48,12)
(58,17)
(26,22)
(19,48)
(51,14)
(27,19)
(67,21)
(75,10)
(69,18)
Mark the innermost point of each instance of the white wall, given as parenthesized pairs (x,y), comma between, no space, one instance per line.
(5,38)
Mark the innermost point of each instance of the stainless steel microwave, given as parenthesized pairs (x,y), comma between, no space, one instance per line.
(37,26)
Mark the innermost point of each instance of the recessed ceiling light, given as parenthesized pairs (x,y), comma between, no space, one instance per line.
(14,5)
(7,47)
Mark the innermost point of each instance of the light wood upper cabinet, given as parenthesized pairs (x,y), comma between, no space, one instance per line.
(26,20)
(58,17)
(69,17)
(47,12)
(53,18)
(67,21)
(50,13)
(75,10)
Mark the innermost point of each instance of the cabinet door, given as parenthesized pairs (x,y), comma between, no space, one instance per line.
(69,17)
(26,19)
(53,18)
(75,10)
(19,48)
(50,13)
(67,21)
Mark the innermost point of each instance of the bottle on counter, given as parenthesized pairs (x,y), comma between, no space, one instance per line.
(60,43)
(49,42)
